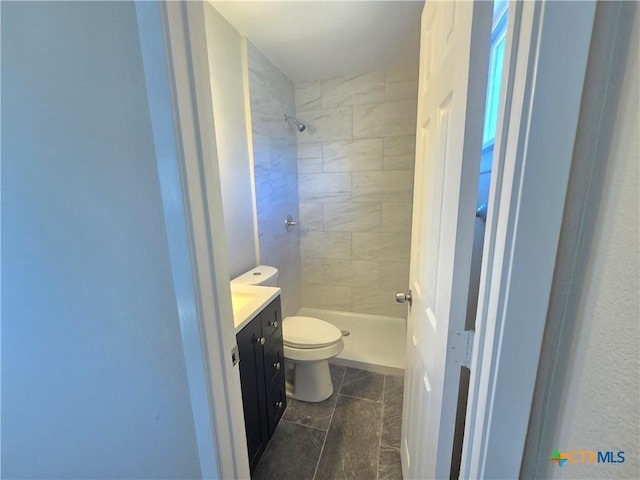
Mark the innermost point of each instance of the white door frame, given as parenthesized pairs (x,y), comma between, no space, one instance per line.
(544,74)
(548,45)
(174,51)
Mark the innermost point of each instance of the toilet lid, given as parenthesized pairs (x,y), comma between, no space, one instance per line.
(309,332)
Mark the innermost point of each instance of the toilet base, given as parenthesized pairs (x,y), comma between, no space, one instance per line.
(311,381)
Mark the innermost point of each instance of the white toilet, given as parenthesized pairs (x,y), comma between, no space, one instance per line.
(309,343)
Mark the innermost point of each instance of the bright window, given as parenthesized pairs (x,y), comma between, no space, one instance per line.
(496,61)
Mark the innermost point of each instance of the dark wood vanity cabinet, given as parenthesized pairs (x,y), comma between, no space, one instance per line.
(262,378)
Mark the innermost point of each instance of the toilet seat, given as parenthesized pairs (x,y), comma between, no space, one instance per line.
(309,333)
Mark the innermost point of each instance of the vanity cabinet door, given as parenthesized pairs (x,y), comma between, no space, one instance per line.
(253,389)
(262,378)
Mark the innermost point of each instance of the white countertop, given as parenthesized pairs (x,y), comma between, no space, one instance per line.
(248,301)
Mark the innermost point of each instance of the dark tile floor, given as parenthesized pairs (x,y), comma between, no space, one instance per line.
(354,434)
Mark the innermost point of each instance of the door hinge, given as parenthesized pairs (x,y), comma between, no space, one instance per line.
(235,355)
(461,348)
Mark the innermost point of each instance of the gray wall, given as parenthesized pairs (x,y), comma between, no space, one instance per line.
(276,175)
(226,67)
(587,394)
(355,164)
(93,374)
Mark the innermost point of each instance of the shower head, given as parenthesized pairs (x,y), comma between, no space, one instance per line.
(299,125)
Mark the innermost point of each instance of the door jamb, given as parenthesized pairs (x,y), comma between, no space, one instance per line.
(173,43)
(544,73)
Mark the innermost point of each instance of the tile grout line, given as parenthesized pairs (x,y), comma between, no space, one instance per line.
(302,425)
(384,384)
(315,472)
(360,398)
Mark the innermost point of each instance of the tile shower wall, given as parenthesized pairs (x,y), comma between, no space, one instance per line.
(276,175)
(355,184)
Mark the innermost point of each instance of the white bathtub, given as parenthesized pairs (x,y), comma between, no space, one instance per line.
(376,343)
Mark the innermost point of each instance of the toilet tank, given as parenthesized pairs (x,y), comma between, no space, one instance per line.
(262,275)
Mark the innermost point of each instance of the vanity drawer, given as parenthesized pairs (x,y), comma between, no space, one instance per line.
(277,403)
(273,364)
(271,318)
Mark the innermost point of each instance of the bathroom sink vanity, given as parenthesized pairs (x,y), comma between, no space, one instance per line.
(259,339)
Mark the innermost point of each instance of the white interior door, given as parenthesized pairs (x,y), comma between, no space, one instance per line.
(455,39)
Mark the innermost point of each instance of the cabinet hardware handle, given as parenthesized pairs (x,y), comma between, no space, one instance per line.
(274,324)
(277,365)
(279,404)
(261,340)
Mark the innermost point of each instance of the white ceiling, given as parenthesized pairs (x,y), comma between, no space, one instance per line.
(313,40)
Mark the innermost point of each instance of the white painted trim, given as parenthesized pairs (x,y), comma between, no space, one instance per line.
(150,30)
(548,45)
(192,199)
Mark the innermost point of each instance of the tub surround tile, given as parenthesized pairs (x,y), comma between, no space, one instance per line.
(392,411)
(271,218)
(385,119)
(396,217)
(362,384)
(270,89)
(290,276)
(270,125)
(284,159)
(387,186)
(352,155)
(310,165)
(399,145)
(399,152)
(261,142)
(326,125)
(312,270)
(272,230)
(311,216)
(401,91)
(261,99)
(283,254)
(399,162)
(324,187)
(349,450)
(291,454)
(310,158)
(353,90)
(401,84)
(394,276)
(316,415)
(351,273)
(308,96)
(356,160)
(351,217)
(373,296)
(333,297)
(390,464)
(274,187)
(377,301)
(271,94)
(381,246)
(262,158)
(325,244)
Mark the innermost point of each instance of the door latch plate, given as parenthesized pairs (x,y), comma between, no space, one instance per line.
(235,355)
